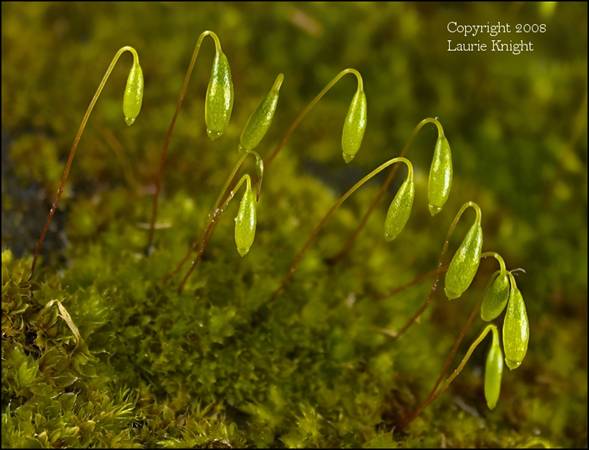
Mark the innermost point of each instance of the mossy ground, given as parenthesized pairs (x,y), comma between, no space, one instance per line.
(155,368)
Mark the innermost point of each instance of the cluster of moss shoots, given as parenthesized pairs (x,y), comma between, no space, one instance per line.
(502,293)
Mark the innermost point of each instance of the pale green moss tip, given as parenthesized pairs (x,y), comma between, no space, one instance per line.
(512,364)
(278,82)
(214,135)
(348,157)
(433,209)
(451,295)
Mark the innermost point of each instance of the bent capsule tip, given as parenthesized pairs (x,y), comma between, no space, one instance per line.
(348,157)
(214,134)
(133,95)
(400,208)
(512,364)
(278,82)
(245,222)
(451,295)
(433,209)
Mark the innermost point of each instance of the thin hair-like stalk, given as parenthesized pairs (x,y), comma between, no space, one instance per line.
(497,257)
(439,272)
(315,231)
(133,91)
(351,139)
(442,386)
(414,282)
(458,341)
(299,118)
(253,132)
(199,244)
(169,132)
(346,248)
(209,229)
(466,326)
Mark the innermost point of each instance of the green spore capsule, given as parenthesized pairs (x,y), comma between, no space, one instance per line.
(133,96)
(516,331)
(493,371)
(219,99)
(245,221)
(400,209)
(354,126)
(465,262)
(258,123)
(440,176)
(260,170)
(496,296)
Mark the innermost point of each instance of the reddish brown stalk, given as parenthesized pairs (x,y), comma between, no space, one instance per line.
(202,240)
(413,319)
(201,248)
(421,309)
(207,233)
(384,188)
(352,238)
(72,153)
(117,148)
(164,154)
(415,281)
(299,118)
(434,393)
(199,244)
(316,230)
(193,247)
(439,270)
(218,210)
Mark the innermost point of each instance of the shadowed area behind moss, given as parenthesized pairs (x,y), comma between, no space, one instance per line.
(158,368)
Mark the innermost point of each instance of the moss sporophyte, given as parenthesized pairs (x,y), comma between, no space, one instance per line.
(439,182)
(354,123)
(397,214)
(218,108)
(254,131)
(516,331)
(132,100)
(501,294)
(515,341)
(465,262)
